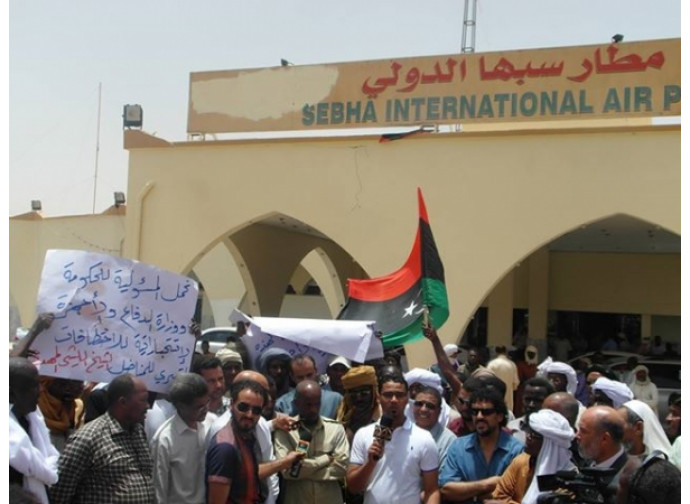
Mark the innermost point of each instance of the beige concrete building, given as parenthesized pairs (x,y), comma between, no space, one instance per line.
(539,218)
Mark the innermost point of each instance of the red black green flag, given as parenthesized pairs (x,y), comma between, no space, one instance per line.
(397,301)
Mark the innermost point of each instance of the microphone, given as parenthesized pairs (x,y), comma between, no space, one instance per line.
(302,446)
(383,431)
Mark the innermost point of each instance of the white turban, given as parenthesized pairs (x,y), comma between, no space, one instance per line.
(555,449)
(654,437)
(451,349)
(617,391)
(551,366)
(430,379)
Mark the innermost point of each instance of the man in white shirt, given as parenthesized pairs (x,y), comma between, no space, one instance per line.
(400,469)
(178,447)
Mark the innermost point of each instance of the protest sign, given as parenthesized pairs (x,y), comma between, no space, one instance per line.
(319,338)
(114,316)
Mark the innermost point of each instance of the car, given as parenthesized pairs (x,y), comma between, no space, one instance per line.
(665,374)
(217,337)
(605,357)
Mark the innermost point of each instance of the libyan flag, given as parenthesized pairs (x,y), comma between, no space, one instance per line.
(397,301)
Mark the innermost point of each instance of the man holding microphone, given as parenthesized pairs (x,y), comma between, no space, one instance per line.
(393,460)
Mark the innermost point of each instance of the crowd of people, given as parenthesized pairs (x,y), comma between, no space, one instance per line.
(278,431)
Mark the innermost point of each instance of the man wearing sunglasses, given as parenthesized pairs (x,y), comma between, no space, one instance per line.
(426,411)
(232,467)
(475,462)
(400,469)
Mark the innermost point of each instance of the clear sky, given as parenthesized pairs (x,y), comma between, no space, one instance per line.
(143,51)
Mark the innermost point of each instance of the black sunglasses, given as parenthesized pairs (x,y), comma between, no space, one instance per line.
(429,405)
(244,407)
(484,411)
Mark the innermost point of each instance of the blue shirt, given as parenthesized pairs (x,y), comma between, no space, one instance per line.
(465,460)
(330,401)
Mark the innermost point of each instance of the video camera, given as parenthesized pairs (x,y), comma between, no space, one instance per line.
(589,486)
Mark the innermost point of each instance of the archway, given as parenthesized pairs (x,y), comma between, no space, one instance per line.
(618,270)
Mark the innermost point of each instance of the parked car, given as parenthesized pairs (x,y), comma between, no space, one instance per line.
(217,337)
(606,357)
(665,374)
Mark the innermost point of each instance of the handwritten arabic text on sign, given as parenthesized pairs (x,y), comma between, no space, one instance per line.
(114,316)
(633,79)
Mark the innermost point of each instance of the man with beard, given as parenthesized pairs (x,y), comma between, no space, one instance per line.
(403,467)
(535,391)
(108,460)
(232,466)
(600,440)
(179,444)
(475,462)
(643,432)
(323,468)
(268,465)
(464,424)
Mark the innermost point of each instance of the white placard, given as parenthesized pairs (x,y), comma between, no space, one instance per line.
(320,338)
(114,316)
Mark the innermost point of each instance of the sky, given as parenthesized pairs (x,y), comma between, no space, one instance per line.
(143,52)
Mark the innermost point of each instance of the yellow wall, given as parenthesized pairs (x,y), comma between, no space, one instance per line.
(31,236)
(615,283)
(493,199)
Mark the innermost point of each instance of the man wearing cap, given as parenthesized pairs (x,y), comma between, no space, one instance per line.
(337,367)
(303,367)
(360,404)
(548,437)
(231,362)
(610,393)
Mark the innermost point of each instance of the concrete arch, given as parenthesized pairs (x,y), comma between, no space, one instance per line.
(266,252)
(323,270)
(493,198)
(636,276)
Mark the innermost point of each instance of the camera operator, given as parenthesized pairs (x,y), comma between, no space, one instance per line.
(600,440)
